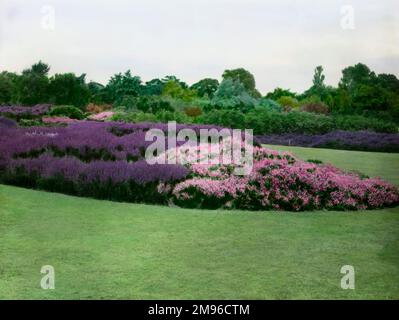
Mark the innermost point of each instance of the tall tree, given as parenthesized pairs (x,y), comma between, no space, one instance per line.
(245,77)
(68,89)
(206,86)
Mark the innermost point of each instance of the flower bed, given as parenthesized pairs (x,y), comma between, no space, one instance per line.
(106,161)
(347,140)
(19,112)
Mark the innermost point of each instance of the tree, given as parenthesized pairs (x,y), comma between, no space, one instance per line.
(174,89)
(122,85)
(232,94)
(8,87)
(245,77)
(206,87)
(97,92)
(367,91)
(288,103)
(318,77)
(174,78)
(279,92)
(68,89)
(33,84)
(40,68)
(356,75)
(154,87)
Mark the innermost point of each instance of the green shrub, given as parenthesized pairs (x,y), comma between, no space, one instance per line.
(67,111)
(263,121)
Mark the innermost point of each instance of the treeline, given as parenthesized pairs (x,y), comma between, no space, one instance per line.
(360,91)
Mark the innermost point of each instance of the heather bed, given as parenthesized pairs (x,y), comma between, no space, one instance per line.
(344,140)
(106,161)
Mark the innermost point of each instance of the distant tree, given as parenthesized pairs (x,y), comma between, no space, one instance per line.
(154,87)
(174,78)
(354,76)
(232,94)
(245,77)
(279,92)
(40,68)
(122,85)
(288,103)
(33,84)
(367,91)
(8,87)
(206,86)
(173,89)
(68,89)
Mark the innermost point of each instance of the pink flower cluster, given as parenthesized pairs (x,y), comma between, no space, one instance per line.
(65,120)
(101,116)
(280,181)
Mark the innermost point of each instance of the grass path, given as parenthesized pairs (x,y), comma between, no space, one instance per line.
(102,249)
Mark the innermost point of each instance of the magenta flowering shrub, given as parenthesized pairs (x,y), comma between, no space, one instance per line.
(280,181)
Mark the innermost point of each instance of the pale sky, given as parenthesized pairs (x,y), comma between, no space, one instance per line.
(279,41)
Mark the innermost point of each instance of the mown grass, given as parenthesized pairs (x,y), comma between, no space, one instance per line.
(102,249)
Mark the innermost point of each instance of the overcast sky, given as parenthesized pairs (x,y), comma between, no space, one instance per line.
(279,41)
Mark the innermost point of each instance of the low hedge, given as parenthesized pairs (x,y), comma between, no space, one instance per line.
(266,122)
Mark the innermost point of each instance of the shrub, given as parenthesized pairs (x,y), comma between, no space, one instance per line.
(22,112)
(193,112)
(97,108)
(280,181)
(264,122)
(349,140)
(67,111)
(288,103)
(7,123)
(315,107)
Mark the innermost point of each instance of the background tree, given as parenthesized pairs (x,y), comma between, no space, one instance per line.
(33,84)
(121,86)
(174,89)
(279,92)
(68,89)
(245,77)
(206,87)
(8,87)
(154,87)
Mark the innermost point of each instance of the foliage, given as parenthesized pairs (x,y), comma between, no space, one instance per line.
(69,89)
(266,122)
(174,89)
(245,77)
(67,111)
(193,112)
(33,84)
(279,92)
(8,87)
(97,108)
(206,87)
(288,103)
(121,86)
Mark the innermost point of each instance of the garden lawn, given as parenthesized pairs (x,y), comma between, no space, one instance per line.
(103,249)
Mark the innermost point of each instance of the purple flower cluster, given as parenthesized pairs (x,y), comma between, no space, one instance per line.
(21,111)
(349,140)
(85,150)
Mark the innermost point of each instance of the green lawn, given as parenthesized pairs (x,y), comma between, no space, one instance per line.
(102,249)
